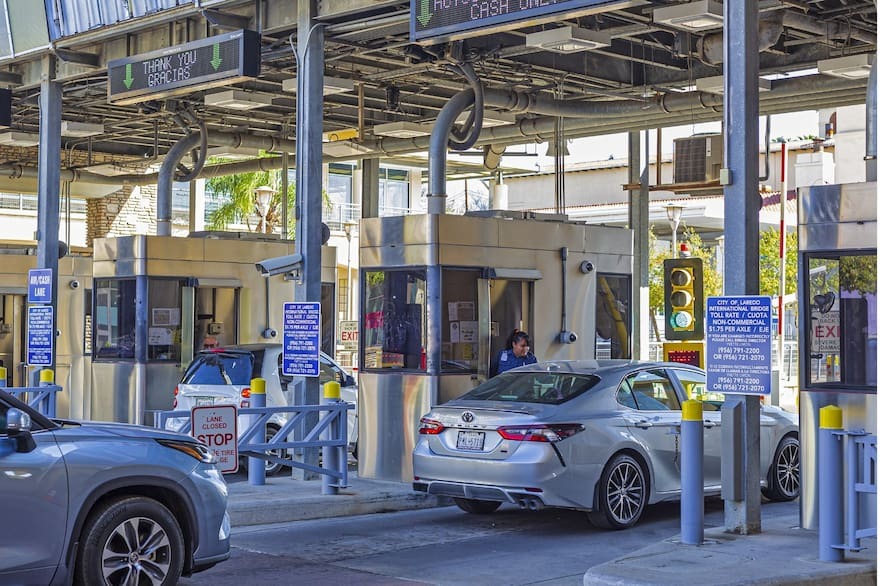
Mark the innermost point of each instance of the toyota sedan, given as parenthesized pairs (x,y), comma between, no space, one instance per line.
(599,436)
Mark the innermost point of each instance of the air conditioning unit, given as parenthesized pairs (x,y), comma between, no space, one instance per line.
(697,159)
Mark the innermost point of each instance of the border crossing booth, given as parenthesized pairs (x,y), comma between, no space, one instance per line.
(158,300)
(837,290)
(440,294)
(72,322)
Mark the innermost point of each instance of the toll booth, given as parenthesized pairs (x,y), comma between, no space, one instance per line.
(158,300)
(440,294)
(72,322)
(837,291)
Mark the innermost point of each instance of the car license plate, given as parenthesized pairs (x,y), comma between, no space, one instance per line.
(202,401)
(470,440)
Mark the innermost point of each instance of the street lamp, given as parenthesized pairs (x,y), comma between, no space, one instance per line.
(673,214)
(348,227)
(263,196)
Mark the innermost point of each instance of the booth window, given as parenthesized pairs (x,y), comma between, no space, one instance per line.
(613,316)
(163,320)
(114,319)
(460,336)
(395,324)
(842,309)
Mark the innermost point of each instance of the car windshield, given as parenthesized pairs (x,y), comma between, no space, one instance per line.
(218,368)
(532,387)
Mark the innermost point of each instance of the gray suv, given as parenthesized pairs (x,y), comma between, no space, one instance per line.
(105,503)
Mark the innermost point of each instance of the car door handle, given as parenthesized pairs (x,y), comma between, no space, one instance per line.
(643,424)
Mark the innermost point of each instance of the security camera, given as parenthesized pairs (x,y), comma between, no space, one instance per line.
(566,337)
(74,284)
(279,265)
(270,333)
(587,267)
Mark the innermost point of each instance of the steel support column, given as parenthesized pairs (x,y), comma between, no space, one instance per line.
(639,223)
(369,188)
(309,114)
(49,181)
(741,480)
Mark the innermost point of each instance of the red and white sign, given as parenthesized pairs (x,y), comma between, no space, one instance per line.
(348,335)
(826,333)
(216,426)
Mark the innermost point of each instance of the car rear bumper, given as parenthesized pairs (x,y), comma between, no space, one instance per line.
(525,500)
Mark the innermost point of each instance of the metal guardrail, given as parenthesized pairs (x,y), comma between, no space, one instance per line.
(330,432)
(861,464)
(42,398)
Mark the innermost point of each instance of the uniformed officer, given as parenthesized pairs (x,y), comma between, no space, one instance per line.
(516,354)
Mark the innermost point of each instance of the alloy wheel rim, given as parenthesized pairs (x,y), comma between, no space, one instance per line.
(626,492)
(137,551)
(788,469)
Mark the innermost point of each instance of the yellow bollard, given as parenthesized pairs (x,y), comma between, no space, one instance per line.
(47,376)
(692,411)
(258,386)
(332,390)
(831,417)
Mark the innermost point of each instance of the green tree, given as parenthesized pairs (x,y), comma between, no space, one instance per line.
(240,204)
(656,256)
(768,253)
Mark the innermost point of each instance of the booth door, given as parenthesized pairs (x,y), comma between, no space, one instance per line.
(510,307)
(13,339)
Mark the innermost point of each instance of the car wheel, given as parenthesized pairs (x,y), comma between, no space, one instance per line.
(784,479)
(621,495)
(274,468)
(132,540)
(477,507)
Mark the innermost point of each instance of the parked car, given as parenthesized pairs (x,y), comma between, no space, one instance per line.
(599,436)
(223,376)
(105,503)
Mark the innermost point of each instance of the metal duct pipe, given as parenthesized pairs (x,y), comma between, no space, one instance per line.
(871,125)
(710,48)
(437,151)
(166,180)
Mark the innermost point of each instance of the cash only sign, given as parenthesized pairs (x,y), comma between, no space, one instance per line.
(738,345)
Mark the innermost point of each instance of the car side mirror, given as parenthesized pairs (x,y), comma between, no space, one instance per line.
(18,427)
(349,381)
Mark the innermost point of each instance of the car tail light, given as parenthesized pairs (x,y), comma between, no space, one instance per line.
(176,391)
(551,432)
(174,403)
(246,393)
(429,426)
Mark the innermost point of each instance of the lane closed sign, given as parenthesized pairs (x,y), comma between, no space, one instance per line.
(216,426)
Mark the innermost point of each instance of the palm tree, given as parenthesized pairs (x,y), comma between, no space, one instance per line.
(240,204)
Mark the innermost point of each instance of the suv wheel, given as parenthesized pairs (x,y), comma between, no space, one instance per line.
(131,540)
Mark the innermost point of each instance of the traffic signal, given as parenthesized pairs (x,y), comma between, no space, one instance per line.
(683,297)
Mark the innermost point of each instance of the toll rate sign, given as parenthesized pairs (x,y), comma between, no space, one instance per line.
(738,345)
(302,339)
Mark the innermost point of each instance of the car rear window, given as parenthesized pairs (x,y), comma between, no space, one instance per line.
(533,387)
(218,368)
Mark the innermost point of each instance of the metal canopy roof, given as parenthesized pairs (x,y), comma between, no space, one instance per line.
(645,78)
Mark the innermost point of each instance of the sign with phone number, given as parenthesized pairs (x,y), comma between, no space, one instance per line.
(738,345)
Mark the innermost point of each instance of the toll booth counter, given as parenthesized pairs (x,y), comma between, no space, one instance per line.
(440,294)
(837,292)
(72,322)
(158,300)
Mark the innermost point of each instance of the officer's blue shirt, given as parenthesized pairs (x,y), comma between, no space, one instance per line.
(507,360)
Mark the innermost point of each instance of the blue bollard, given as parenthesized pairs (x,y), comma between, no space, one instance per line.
(2,377)
(330,454)
(830,493)
(256,466)
(692,498)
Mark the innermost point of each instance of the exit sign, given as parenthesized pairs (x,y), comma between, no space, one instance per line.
(210,62)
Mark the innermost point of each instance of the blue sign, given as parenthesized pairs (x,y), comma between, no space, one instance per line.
(302,339)
(738,345)
(40,286)
(40,335)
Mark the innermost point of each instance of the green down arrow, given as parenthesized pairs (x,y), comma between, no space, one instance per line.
(425,14)
(128,78)
(216,60)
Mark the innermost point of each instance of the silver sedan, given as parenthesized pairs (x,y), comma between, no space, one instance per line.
(599,436)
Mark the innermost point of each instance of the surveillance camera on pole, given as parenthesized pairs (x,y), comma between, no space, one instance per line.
(280,265)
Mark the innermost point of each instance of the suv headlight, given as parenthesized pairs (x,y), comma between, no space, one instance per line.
(198,451)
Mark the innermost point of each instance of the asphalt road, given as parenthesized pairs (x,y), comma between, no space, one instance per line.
(442,546)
